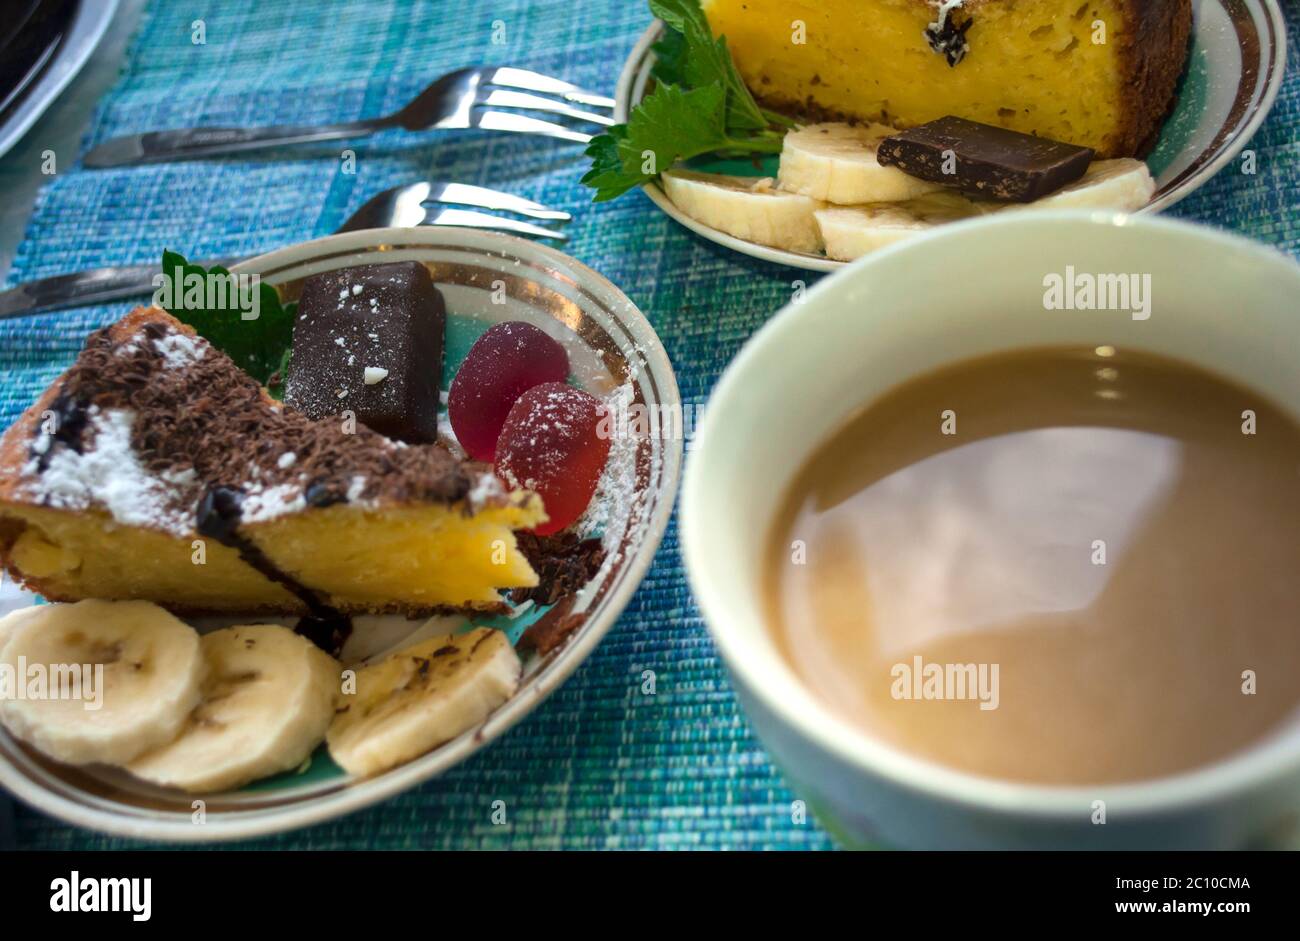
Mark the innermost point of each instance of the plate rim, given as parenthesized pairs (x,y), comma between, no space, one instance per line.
(365,793)
(1237,142)
(85,33)
(1229,150)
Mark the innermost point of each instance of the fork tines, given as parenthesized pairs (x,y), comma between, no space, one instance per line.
(536,81)
(420,204)
(569,96)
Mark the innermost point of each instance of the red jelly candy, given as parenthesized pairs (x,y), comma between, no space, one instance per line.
(506,361)
(551,444)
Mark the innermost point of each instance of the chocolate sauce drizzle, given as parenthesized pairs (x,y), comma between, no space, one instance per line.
(70,419)
(220,512)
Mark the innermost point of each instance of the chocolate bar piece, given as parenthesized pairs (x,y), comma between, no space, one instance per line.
(370,340)
(985,161)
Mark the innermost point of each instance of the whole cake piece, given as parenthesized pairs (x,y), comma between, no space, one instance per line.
(1096,73)
(156,469)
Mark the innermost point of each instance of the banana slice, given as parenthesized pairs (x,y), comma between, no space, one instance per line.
(1123,185)
(10,622)
(376,637)
(852,231)
(267,700)
(837,163)
(749,209)
(151,671)
(421,697)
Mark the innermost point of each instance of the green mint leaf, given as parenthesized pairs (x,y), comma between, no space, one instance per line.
(257,346)
(276,390)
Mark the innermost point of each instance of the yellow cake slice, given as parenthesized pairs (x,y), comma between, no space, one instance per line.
(156,469)
(1097,73)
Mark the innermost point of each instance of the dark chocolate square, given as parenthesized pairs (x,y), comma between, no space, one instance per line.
(986,161)
(371,317)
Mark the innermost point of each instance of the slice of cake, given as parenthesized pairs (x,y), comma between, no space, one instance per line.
(156,469)
(1097,73)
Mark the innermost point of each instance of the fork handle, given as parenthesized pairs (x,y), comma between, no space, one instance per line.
(154,146)
(85,287)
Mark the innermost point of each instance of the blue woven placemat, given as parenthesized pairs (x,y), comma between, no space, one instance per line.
(599,765)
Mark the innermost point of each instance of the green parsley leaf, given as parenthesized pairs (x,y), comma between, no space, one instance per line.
(259,347)
(672,125)
(670,58)
(606,175)
(669,125)
(699,105)
(704,60)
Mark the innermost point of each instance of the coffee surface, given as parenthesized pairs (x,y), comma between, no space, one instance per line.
(1060,566)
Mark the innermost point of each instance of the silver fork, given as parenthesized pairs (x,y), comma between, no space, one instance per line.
(404,206)
(453,101)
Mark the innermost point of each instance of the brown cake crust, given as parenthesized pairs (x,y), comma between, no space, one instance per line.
(1154,57)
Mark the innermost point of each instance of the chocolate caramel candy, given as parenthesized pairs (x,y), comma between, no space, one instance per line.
(369,340)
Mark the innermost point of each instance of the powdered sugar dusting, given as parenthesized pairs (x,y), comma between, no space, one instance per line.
(356,488)
(617,506)
(487,489)
(447,437)
(266,503)
(180,350)
(110,475)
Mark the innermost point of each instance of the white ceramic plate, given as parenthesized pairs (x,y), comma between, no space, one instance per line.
(88,26)
(610,345)
(1237,63)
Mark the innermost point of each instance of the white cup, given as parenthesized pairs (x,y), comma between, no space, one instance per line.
(965,290)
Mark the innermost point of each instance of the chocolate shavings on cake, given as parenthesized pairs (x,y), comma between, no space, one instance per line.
(563,563)
(190,419)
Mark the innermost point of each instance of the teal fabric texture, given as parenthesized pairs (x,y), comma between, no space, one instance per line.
(599,764)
